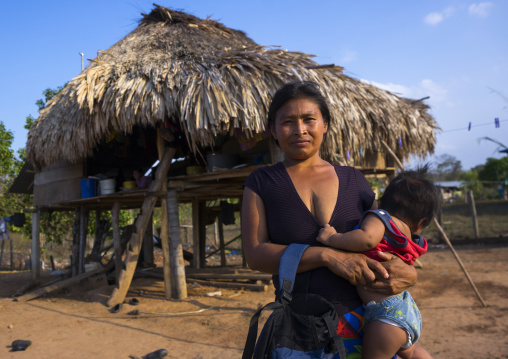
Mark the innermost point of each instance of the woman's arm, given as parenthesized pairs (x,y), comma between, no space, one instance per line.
(264,256)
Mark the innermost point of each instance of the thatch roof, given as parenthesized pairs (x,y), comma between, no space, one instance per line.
(211,78)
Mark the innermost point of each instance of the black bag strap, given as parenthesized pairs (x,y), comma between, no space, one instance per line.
(287,272)
(250,343)
(339,343)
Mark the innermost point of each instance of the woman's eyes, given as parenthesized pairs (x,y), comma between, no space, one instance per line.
(306,119)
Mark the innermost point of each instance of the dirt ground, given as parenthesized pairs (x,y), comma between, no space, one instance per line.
(76,324)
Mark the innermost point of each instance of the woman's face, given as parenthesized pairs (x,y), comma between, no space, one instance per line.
(299,127)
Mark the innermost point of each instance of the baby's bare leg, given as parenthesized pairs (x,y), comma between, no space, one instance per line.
(414,352)
(382,340)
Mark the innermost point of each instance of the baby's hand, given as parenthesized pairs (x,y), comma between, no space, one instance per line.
(325,233)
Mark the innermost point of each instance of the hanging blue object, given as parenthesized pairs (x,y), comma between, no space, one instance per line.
(469,127)
(361,152)
(496,122)
(347,155)
(400,141)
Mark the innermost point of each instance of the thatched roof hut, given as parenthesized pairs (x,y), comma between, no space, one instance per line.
(209,79)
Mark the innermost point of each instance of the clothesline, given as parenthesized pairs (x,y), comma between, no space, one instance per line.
(470,126)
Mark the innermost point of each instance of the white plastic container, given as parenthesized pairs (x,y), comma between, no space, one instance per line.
(107,186)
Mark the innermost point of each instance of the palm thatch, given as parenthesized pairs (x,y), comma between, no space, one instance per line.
(210,79)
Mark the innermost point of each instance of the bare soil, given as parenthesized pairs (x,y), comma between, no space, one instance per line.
(75,323)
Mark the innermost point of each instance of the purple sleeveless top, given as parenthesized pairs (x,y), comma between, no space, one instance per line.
(289,221)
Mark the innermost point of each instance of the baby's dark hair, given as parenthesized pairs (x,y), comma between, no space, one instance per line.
(411,196)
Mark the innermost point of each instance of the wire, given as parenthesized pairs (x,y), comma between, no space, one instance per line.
(467,128)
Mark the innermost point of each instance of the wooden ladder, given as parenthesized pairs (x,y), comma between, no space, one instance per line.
(140,225)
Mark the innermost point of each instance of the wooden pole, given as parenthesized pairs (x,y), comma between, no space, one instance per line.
(443,234)
(216,232)
(61,284)
(82,238)
(166,260)
(75,242)
(177,263)
(459,261)
(117,245)
(148,243)
(222,246)
(473,214)
(134,245)
(202,234)
(2,250)
(244,260)
(195,234)
(36,245)
(12,256)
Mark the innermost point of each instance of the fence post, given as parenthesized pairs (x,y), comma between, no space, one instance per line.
(473,215)
(36,245)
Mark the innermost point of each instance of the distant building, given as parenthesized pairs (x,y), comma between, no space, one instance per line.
(451,190)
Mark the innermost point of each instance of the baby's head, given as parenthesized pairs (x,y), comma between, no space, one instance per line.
(412,197)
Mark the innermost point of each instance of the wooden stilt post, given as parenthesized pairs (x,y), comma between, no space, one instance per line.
(82,240)
(2,250)
(12,256)
(443,234)
(134,245)
(36,245)
(196,263)
(148,243)
(75,242)
(202,234)
(166,261)
(244,260)
(221,239)
(177,264)
(115,223)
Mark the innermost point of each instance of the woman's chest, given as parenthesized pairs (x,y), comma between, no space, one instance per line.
(318,193)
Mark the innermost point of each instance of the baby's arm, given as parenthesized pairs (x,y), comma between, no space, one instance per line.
(359,240)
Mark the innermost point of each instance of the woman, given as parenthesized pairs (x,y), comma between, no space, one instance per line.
(293,199)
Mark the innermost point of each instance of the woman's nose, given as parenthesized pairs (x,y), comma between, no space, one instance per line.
(300,128)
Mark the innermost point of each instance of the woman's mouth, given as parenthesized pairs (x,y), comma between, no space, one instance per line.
(301,143)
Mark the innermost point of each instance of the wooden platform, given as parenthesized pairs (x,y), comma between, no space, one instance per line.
(222,277)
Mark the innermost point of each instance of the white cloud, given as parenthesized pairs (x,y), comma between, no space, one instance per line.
(481,10)
(425,88)
(399,90)
(436,92)
(349,56)
(435,18)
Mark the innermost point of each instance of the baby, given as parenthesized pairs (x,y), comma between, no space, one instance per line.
(409,203)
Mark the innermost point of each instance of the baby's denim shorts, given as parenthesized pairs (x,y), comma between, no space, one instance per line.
(399,310)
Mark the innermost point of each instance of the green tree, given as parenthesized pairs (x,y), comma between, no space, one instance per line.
(472,182)
(495,170)
(6,153)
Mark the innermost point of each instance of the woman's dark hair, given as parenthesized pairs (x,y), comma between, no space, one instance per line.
(297,90)
(412,197)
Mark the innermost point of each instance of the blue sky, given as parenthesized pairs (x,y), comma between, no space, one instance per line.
(456,52)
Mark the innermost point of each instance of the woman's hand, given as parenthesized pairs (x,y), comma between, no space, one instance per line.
(355,268)
(402,276)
